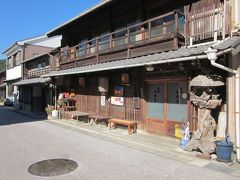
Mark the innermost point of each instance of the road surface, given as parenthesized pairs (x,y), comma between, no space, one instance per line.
(25,141)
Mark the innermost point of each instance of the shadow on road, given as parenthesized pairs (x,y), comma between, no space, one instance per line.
(8,115)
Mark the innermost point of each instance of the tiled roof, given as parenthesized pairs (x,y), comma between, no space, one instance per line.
(230,42)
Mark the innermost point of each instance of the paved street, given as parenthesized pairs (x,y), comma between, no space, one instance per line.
(25,141)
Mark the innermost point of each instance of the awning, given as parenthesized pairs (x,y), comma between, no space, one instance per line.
(180,55)
(32,81)
(12,80)
(3,85)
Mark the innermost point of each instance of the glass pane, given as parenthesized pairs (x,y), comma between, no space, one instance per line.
(119,42)
(157,31)
(170,28)
(136,36)
(82,52)
(156,101)
(104,45)
(157,22)
(177,101)
(181,20)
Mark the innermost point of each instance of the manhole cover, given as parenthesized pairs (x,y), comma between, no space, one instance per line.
(52,167)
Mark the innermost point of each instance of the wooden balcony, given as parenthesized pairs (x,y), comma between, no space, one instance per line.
(37,72)
(155,35)
(207,23)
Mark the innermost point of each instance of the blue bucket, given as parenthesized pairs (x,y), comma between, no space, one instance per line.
(224,151)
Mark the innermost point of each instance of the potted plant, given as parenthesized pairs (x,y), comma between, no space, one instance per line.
(49,110)
(61,103)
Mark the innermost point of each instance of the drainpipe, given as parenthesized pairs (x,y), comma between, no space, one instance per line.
(237,117)
(212,56)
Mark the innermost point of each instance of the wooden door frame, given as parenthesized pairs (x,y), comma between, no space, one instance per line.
(165,81)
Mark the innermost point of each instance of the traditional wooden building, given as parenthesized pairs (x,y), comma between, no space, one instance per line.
(20,51)
(35,92)
(134,60)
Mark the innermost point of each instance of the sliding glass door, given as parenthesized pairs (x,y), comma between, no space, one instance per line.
(167,101)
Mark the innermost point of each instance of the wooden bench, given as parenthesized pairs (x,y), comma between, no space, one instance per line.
(132,126)
(77,114)
(98,119)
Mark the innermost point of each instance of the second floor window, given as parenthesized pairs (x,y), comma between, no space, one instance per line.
(104,41)
(38,64)
(14,60)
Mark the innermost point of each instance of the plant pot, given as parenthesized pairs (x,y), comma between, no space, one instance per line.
(55,114)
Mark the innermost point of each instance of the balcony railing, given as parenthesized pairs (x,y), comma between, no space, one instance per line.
(208,22)
(38,72)
(160,26)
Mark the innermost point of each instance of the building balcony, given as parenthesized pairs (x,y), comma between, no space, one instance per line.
(34,73)
(208,23)
(159,34)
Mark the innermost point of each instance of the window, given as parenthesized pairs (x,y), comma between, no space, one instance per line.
(14,60)
(119,37)
(93,45)
(104,41)
(9,63)
(39,65)
(82,48)
(135,31)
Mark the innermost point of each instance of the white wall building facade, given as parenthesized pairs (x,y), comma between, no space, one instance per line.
(20,51)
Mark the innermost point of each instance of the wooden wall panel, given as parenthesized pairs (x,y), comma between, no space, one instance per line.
(153,48)
(114,56)
(33,50)
(91,104)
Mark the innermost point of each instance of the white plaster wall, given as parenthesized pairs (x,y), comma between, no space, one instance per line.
(231,108)
(53,42)
(237,12)
(238,115)
(237,92)
(14,73)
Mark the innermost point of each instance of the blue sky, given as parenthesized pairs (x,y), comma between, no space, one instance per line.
(28,18)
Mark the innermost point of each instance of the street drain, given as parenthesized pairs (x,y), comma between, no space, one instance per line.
(52,167)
